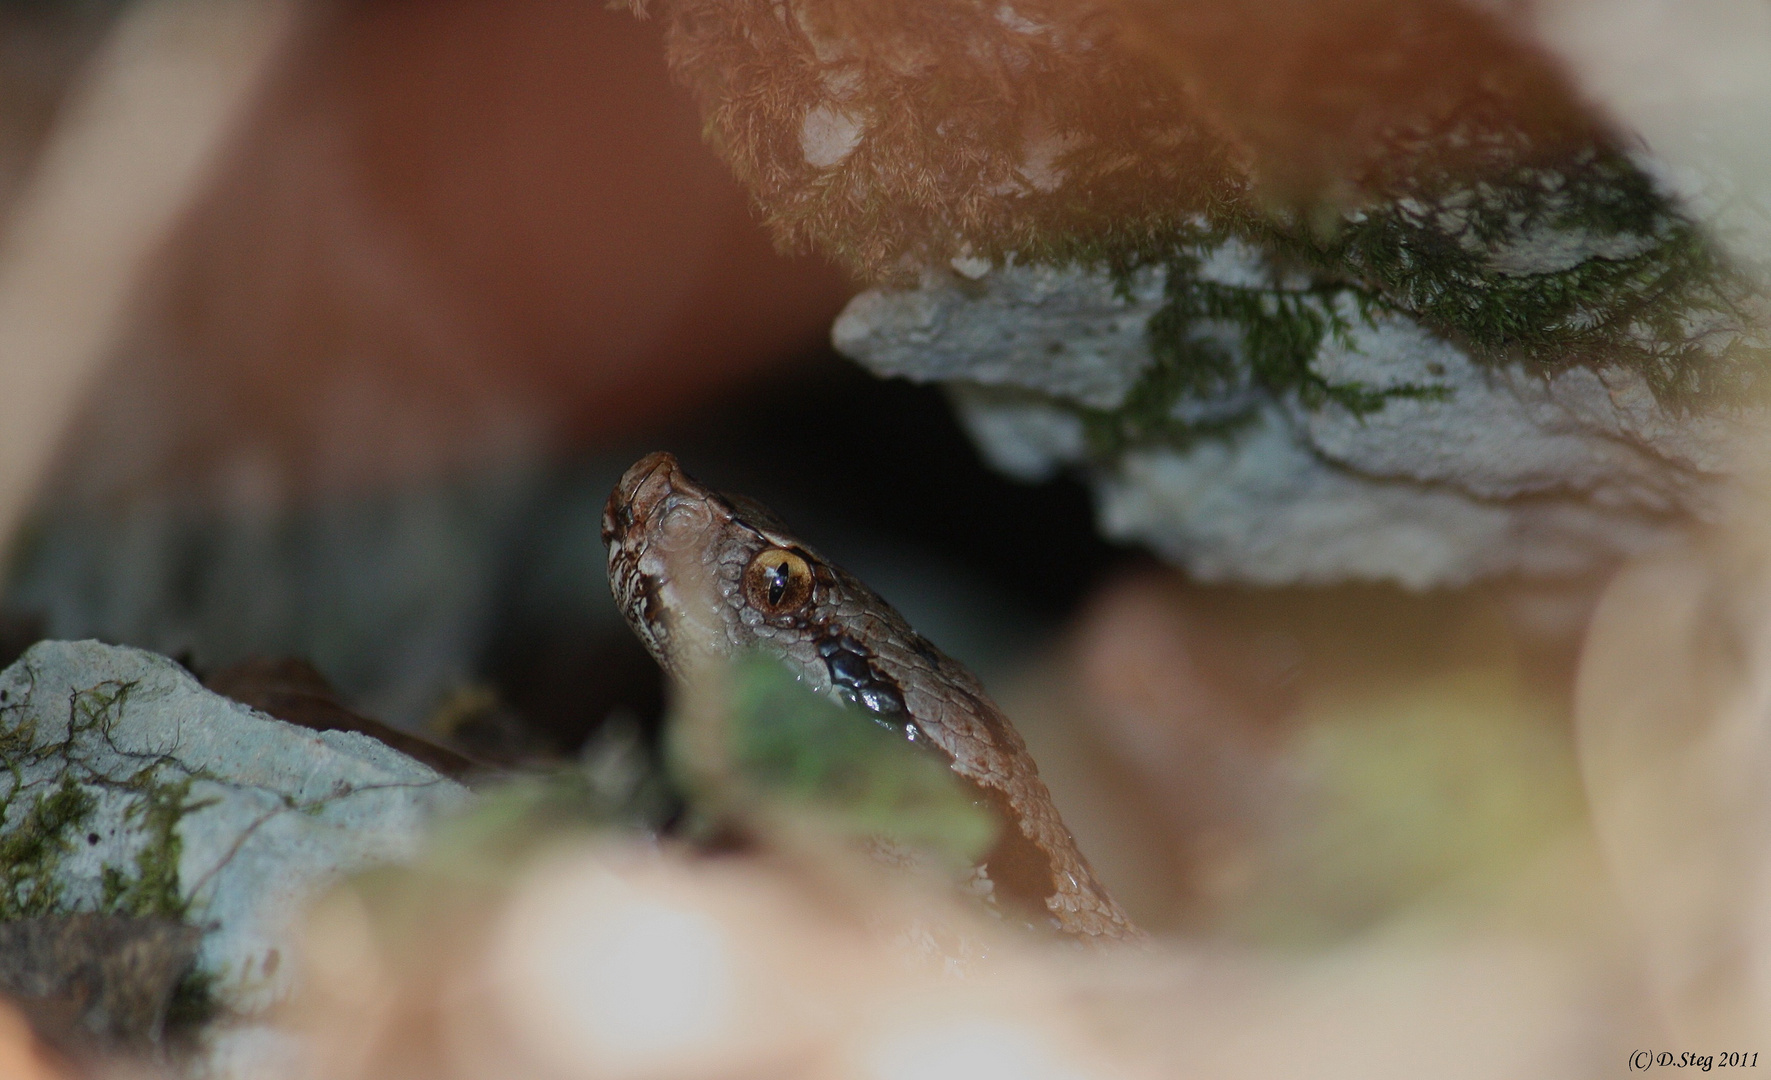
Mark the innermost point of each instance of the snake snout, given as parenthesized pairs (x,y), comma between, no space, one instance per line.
(641,488)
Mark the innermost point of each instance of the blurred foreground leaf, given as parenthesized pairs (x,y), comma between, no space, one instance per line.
(1441,790)
(773,744)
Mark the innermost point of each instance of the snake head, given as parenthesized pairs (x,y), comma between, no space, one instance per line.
(698,573)
(659,525)
(702,574)
(703,577)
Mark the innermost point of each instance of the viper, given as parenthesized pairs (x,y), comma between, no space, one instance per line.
(699,574)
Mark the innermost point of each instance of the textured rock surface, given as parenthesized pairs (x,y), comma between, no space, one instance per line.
(131,789)
(1310,293)
(1075,336)
(1412,463)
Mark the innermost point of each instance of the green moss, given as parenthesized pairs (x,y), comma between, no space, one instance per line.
(1435,251)
(157,811)
(1147,419)
(1673,309)
(18,744)
(97,709)
(1280,333)
(1435,247)
(32,849)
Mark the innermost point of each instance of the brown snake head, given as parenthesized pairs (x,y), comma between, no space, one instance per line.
(700,575)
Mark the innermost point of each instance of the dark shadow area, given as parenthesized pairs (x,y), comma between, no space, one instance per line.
(838,453)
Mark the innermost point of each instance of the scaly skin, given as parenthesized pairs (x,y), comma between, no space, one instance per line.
(700,575)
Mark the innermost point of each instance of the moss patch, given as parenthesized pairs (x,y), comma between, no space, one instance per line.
(32,848)
(154,888)
(54,798)
(1468,260)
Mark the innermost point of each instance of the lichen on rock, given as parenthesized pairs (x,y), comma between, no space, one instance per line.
(1382,248)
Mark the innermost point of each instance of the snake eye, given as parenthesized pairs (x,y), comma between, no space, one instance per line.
(777,581)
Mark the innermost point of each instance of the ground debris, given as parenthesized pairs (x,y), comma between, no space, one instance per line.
(96,981)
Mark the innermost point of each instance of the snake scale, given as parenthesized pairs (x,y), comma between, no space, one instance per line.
(701,574)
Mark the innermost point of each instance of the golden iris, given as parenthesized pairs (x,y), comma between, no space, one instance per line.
(777,581)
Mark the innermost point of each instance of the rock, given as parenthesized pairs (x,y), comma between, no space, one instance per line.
(131,790)
(1404,310)
(293,690)
(1033,327)
(1396,455)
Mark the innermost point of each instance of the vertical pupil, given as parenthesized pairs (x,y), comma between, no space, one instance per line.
(777,584)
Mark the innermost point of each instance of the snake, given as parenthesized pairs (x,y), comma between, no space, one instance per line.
(699,574)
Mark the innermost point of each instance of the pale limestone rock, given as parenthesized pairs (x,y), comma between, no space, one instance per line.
(258,815)
(1034,327)
(1499,470)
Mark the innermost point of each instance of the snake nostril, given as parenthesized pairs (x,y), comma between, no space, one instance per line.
(617,520)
